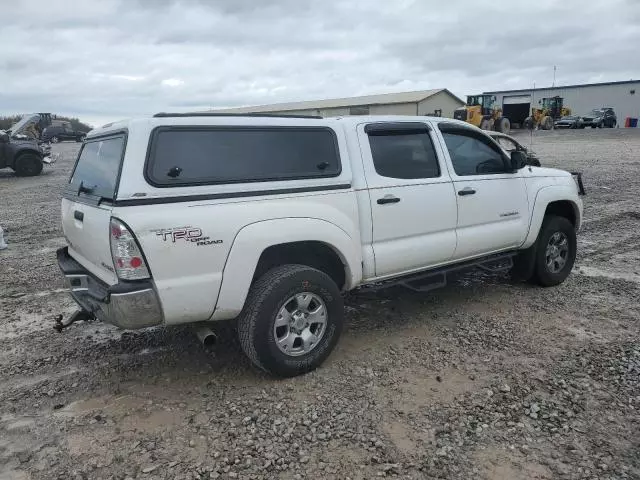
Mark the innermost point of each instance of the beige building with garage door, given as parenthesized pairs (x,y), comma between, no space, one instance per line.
(436,102)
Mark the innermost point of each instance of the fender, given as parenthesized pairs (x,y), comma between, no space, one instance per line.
(253,239)
(544,197)
(22,151)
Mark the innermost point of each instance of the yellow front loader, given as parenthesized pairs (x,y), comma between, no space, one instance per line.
(482,112)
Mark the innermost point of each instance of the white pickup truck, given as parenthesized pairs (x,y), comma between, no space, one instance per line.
(187,218)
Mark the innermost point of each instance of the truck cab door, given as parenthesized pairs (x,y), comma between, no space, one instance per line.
(493,206)
(413,205)
(4,146)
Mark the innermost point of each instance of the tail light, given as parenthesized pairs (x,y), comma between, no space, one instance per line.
(126,254)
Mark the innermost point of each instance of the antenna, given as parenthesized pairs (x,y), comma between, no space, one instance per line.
(533,98)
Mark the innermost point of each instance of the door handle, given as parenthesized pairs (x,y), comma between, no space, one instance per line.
(466,191)
(388,199)
(78,215)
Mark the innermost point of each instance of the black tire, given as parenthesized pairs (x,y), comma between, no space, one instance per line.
(593,126)
(28,165)
(266,297)
(551,225)
(503,125)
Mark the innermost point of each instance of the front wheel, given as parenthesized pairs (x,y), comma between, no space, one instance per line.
(291,320)
(555,251)
(28,165)
(503,125)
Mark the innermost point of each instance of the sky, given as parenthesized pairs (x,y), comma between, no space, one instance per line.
(109,59)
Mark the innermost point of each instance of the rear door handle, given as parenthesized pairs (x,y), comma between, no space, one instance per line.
(78,215)
(466,191)
(388,199)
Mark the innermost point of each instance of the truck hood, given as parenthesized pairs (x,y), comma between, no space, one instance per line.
(548,172)
(18,128)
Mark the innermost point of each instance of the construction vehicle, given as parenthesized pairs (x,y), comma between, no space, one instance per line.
(482,112)
(550,110)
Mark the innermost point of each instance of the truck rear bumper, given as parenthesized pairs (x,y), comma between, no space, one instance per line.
(128,305)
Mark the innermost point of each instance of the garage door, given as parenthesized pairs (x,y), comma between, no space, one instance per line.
(516,99)
(516,108)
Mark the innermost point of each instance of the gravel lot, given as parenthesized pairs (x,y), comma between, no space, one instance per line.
(482,379)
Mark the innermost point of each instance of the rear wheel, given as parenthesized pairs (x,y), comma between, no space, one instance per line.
(291,321)
(28,165)
(555,251)
(528,123)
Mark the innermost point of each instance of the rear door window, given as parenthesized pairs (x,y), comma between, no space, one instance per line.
(197,156)
(98,167)
(404,154)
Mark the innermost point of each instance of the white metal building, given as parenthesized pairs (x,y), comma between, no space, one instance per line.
(623,97)
(437,102)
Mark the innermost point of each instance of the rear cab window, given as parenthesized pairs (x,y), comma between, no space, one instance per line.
(98,167)
(403,151)
(183,156)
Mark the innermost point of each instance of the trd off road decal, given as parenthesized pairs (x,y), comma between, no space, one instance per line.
(185,234)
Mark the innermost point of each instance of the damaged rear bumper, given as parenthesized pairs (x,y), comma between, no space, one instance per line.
(128,305)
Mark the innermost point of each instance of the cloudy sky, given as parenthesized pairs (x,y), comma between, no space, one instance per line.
(110,59)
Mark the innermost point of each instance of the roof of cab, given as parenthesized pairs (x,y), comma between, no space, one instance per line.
(253,119)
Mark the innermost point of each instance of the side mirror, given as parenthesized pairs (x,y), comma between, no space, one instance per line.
(4,138)
(518,160)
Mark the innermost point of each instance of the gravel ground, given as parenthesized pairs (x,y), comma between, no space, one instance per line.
(482,379)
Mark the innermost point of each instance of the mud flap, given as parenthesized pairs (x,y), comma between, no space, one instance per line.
(524,264)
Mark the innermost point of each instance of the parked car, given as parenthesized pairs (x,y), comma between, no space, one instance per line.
(600,117)
(510,144)
(22,154)
(192,218)
(55,134)
(570,121)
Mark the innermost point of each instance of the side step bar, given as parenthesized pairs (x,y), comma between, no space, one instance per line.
(436,278)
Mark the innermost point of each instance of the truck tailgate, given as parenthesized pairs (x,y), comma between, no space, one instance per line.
(86,228)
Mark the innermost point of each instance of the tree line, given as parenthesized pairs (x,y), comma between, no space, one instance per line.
(76,124)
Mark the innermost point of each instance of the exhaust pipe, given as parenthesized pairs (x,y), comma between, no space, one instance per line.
(207,337)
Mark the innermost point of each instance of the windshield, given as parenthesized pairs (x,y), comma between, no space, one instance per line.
(596,113)
(98,166)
